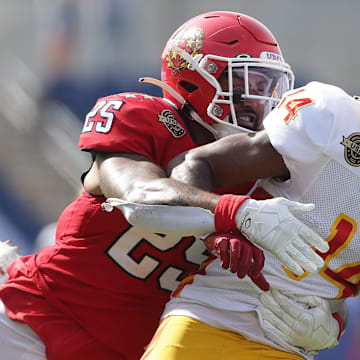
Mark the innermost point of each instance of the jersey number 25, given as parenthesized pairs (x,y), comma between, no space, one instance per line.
(101,116)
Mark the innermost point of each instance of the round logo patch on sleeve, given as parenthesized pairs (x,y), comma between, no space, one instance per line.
(352,149)
(171,123)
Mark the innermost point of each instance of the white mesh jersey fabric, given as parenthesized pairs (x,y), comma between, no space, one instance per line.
(336,193)
(323,171)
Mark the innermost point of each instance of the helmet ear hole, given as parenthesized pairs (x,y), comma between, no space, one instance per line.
(189,87)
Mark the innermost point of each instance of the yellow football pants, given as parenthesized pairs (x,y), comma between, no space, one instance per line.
(183,338)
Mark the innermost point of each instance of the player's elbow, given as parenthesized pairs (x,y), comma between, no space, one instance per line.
(195,171)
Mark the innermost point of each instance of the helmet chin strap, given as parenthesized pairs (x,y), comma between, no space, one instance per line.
(219,130)
(182,101)
(164,86)
(200,121)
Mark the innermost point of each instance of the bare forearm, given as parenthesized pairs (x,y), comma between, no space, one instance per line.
(167,192)
(172,192)
(150,186)
(229,161)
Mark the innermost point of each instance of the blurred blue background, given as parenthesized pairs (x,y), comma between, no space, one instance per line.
(58,56)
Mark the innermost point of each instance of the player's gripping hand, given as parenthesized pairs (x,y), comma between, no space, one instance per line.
(238,255)
(305,322)
(272,225)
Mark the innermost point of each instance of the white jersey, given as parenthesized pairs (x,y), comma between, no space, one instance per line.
(317,131)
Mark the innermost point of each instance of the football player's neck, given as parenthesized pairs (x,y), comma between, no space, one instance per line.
(202,136)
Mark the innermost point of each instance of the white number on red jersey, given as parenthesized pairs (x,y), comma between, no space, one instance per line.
(121,253)
(102,115)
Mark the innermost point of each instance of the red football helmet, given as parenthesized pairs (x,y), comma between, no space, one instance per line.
(224,64)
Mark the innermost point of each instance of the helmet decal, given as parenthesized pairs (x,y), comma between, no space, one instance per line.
(271,56)
(191,41)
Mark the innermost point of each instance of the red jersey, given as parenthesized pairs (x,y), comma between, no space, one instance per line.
(110,278)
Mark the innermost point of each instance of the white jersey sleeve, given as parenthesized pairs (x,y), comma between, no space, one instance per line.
(304,128)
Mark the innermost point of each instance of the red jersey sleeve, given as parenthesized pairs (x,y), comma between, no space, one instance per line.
(136,123)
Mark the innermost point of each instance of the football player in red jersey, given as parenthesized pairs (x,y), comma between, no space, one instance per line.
(100,290)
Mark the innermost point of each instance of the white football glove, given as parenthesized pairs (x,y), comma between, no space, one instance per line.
(305,322)
(272,225)
(8,254)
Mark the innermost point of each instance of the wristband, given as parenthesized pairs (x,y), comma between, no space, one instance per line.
(226,210)
(337,317)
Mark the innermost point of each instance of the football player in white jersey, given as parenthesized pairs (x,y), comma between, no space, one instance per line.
(309,152)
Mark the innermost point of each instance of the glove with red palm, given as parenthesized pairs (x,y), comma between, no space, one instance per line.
(239,255)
